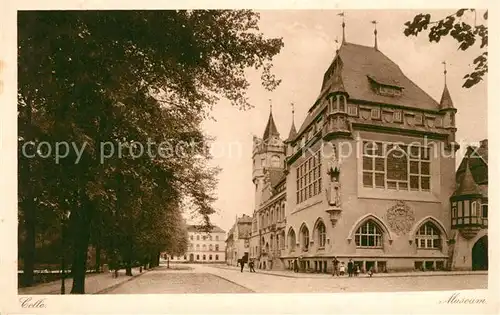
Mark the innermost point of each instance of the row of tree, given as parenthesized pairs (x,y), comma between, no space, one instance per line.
(125,78)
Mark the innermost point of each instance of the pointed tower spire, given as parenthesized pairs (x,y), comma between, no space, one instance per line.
(271,129)
(342,14)
(467,185)
(293,131)
(446,102)
(374,22)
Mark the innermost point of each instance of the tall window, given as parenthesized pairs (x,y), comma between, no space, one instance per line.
(210,257)
(291,240)
(210,237)
(428,236)
(321,229)
(197,246)
(275,161)
(304,233)
(368,235)
(210,247)
(282,240)
(204,247)
(216,247)
(467,212)
(197,257)
(191,237)
(216,257)
(309,178)
(197,237)
(216,237)
(397,167)
(204,257)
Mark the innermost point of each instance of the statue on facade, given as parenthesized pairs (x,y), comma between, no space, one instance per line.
(334,189)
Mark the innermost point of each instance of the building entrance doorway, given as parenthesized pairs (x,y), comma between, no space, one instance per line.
(480,254)
(191,257)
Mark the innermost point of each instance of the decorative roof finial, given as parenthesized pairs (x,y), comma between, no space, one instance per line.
(342,14)
(270,105)
(293,110)
(444,63)
(374,22)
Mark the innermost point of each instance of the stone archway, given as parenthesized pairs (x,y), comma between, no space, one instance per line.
(191,257)
(480,254)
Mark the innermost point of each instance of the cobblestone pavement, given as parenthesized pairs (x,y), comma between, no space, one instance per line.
(178,280)
(213,279)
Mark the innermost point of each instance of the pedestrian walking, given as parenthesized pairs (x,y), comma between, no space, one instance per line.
(251,265)
(342,268)
(371,271)
(350,266)
(356,270)
(296,265)
(243,261)
(335,264)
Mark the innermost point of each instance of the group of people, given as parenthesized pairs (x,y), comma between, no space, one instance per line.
(353,270)
(241,262)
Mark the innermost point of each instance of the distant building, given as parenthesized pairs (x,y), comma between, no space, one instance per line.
(204,247)
(469,211)
(238,239)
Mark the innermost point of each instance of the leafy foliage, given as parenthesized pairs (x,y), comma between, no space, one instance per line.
(125,79)
(465,34)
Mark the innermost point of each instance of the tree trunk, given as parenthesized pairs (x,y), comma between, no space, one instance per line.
(81,239)
(97,257)
(29,245)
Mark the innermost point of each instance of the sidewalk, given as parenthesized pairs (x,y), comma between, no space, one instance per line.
(291,274)
(94,283)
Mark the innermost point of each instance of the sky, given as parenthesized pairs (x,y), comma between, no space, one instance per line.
(309,47)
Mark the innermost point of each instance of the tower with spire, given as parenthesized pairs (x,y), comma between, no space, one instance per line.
(268,154)
(448,111)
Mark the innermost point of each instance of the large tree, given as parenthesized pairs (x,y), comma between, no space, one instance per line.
(467,26)
(128,77)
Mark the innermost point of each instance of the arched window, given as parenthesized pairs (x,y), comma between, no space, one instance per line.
(197,237)
(191,237)
(282,240)
(216,237)
(304,235)
(216,247)
(185,257)
(216,257)
(210,237)
(272,242)
(197,257)
(204,247)
(197,246)
(277,241)
(204,257)
(210,257)
(275,161)
(210,247)
(291,239)
(204,237)
(368,235)
(321,230)
(428,236)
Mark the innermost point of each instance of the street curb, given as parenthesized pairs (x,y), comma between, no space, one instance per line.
(114,286)
(394,275)
(221,277)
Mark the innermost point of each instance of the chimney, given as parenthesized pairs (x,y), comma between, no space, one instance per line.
(483,143)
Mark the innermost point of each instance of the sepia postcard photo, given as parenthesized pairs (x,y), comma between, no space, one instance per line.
(236,160)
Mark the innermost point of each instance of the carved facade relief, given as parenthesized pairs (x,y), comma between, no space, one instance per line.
(400,218)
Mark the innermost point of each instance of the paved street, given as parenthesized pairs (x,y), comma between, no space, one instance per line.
(213,279)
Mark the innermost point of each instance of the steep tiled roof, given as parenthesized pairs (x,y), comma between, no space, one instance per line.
(274,176)
(358,68)
(476,159)
(446,101)
(200,229)
(245,219)
(293,132)
(271,129)
(467,185)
